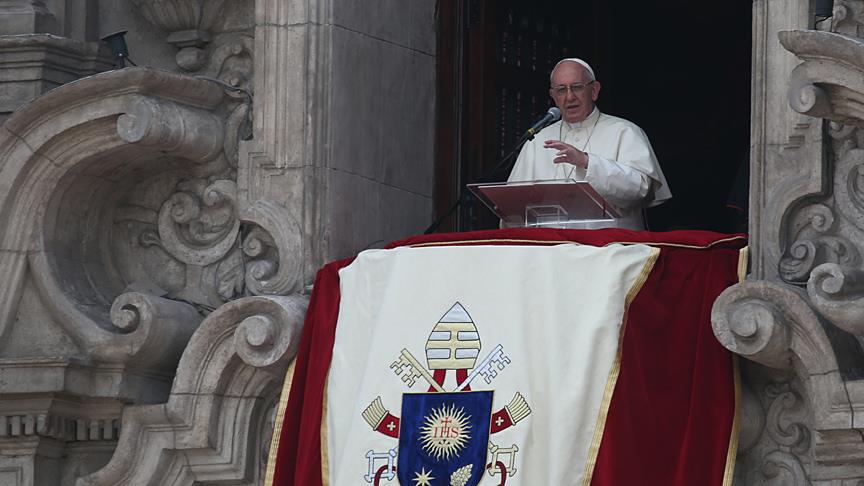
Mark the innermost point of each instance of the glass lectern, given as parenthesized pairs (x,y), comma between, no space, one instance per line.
(561,203)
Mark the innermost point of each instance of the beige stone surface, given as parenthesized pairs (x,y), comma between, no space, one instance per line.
(162,223)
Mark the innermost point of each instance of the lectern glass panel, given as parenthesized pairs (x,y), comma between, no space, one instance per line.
(556,203)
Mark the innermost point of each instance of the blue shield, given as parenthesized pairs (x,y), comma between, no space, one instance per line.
(443,438)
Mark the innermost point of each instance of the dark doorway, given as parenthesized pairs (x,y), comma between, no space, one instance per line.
(679,70)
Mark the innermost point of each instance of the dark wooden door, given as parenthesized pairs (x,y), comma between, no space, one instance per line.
(682,72)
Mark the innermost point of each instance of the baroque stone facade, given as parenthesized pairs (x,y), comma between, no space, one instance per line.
(162,223)
(797,319)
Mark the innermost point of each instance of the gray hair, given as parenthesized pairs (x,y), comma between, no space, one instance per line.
(577,61)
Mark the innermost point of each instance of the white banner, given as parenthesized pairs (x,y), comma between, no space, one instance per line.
(531,331)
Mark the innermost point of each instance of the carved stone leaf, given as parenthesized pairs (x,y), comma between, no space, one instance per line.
(230,276)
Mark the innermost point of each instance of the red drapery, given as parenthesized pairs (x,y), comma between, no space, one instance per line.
(672,413)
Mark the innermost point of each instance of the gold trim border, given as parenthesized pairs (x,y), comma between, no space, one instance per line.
(277,427)
(732,451)
(560,242)
(612,380)
(610,383)
(743,261)
(325,444)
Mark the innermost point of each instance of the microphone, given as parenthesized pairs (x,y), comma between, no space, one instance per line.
(551,116)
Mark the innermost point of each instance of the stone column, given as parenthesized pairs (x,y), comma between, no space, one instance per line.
(798,316)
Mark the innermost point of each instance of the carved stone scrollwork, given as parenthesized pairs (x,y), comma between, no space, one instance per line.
(785,442)
(213,254)
(238,127)
(181,131)
(849,178)
(198,223)
(151,329)
(771,324)
(813,244)
(96,139)
(810,99)
(752,327)
(838,293)
(829,84)
(784,421)
(197,231)
(274,246)
(214,414)
(262,340)
(781,468)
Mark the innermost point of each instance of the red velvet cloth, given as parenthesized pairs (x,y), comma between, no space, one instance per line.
(670,420)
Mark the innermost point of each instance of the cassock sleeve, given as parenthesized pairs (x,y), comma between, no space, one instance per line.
(523,170)
(620,180)
(621,185)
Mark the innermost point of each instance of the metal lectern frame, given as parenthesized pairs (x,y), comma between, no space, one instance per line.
(560,203)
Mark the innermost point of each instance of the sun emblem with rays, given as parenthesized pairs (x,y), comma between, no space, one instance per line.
(445,431)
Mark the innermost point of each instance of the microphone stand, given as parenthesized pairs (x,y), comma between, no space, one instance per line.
(487,176)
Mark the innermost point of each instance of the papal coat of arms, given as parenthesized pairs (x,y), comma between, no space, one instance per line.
(444,436)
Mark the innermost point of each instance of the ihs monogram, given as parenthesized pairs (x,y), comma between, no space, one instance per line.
(444,435)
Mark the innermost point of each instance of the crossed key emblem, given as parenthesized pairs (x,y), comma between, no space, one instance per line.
(409,369)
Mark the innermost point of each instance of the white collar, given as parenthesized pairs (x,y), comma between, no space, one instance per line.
(586,122)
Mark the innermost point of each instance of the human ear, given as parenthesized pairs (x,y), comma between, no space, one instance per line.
(595,91)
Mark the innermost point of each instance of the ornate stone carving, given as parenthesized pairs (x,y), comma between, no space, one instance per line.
(182,131)
(239,354)
(823,254)
(784,421)
(848,18)
(194,28)
(752,418)
(189,23)
(773,325)
(275,248)
(829,84)
(66,429)
(53,215)
(837,291)
(813,244)
(781,469)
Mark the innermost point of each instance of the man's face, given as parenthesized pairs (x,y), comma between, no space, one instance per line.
(573,91)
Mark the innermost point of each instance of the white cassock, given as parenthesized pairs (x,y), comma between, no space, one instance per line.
(622,166)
